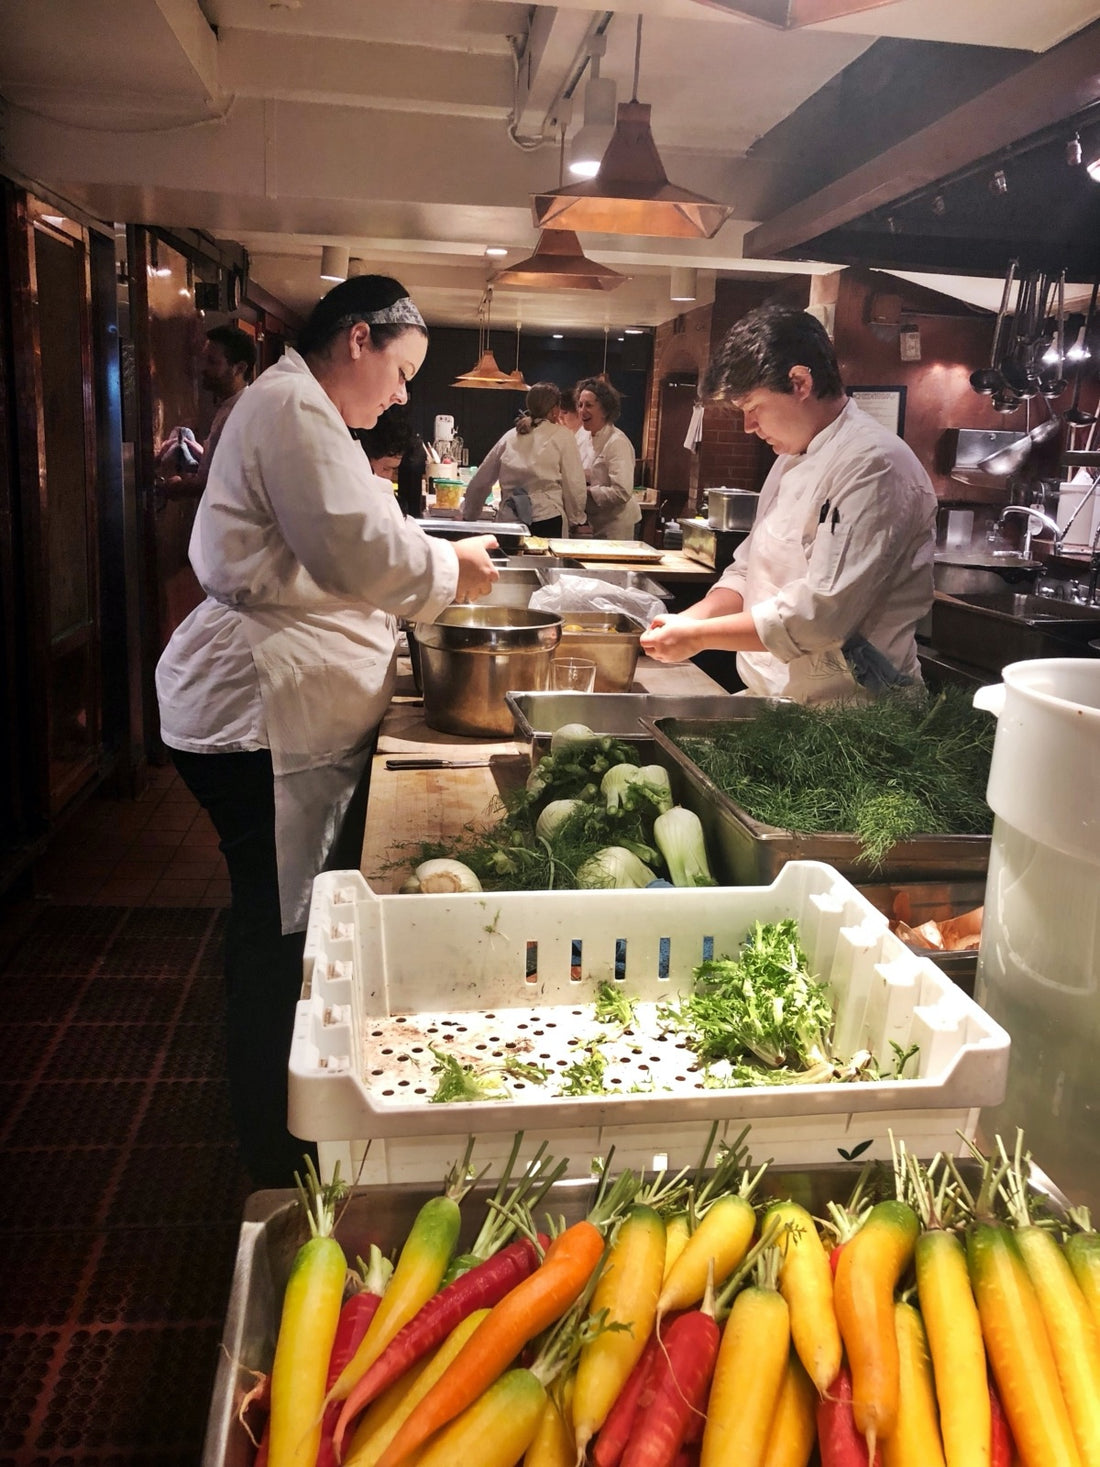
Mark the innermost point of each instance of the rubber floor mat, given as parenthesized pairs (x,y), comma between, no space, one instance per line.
(122,1192)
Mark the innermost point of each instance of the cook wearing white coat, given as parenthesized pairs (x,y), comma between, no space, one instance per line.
(537,458)
(608,458)
(823,598)
(272,689)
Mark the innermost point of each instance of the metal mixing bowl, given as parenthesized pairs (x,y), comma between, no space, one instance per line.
(473,655)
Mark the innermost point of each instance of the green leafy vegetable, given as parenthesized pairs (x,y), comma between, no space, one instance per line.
(585,1076)
(458,1082)
(612,1005)
(905,765)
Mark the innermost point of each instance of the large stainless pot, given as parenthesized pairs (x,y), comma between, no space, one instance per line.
(731,509)
(473,655)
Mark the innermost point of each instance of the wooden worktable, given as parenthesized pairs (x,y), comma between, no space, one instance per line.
(413,805)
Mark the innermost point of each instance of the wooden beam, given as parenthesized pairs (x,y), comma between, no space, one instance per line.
(1061,82)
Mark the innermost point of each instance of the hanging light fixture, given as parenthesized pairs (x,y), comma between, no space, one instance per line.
(591,141)
(559,263)
(516,377)
(631,193)
(485,373)
(683,283)
(334,262)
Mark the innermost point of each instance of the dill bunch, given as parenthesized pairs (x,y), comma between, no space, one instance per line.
(907,764)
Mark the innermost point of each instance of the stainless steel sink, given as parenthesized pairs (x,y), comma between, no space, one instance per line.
(990,630)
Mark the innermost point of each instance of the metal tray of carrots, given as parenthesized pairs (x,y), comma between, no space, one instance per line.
(273,1228)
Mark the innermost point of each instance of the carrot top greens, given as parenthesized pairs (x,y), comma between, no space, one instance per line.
(905,765)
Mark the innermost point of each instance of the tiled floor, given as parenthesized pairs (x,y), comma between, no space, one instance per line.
(159,850)
(123,1193)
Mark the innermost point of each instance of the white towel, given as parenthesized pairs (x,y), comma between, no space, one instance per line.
(695,428)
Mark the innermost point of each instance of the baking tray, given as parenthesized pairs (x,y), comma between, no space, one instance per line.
(748,852)
(538,715)
(633,550)
(273,1229)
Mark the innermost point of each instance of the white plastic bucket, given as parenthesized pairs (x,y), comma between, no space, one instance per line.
(1039,962)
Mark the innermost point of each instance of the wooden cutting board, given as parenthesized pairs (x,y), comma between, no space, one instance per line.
(632,550)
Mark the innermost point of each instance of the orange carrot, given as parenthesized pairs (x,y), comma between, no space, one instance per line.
(532,1305)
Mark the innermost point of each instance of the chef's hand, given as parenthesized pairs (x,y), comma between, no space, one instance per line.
(672,638)
(476,572)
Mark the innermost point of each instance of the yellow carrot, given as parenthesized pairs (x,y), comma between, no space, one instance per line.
(954,1333)
(378,1425)
(868,1270)
(1083,1253)
(495,1430)
(419,1273)
(915,1440)
(748,1378)
(553,1444)
(1072,1334)
(677,1232)
(627,1290)
(793,1431)
(1019,1350)
(307,1328)
(722,1239)
(806,1282)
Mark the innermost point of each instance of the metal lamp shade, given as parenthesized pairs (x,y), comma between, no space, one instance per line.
(631,193)
(559,263)
(487,374)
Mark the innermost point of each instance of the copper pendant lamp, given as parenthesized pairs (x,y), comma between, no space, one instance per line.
(559,263)
(631,193)
(486,373)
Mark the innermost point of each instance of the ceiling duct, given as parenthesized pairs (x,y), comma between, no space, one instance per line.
(631,193)
(559,263)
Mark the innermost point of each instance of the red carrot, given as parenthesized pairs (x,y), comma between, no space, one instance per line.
(839,1440)
(679,1384)
(355,1318)
(1001,1447)
(479,1288)
(615,1432)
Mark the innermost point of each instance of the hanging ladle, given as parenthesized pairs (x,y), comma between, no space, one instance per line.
(987,379)
(1073,414)
(1053,387)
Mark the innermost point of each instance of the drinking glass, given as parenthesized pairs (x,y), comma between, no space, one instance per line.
(572,675)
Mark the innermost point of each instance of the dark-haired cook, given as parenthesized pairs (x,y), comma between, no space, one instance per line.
(271,691)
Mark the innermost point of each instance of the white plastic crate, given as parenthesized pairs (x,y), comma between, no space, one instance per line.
(389,977)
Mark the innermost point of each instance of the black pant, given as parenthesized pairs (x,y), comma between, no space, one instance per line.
(548,529)
(263,968)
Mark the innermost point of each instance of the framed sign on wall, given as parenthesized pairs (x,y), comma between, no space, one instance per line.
(885,404)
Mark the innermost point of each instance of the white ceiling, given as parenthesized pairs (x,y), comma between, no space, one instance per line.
(412,134)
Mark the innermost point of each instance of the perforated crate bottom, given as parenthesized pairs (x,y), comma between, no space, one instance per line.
(641,1058)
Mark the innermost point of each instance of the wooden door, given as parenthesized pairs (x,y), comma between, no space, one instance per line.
(54,436)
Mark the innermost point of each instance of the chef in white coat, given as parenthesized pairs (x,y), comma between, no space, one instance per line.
(822,600)
(608,458)
(271,691)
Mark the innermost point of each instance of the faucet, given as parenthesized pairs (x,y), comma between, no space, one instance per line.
(1030,514)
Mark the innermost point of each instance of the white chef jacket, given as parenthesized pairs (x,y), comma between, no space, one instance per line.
(306,560)
(545,462)
(842,546)
(613,508)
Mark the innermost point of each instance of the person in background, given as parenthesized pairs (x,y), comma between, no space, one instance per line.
(822,600)
(538,468)
(608,457)
(568,415)
(272,690)
(228,361)
(387,442)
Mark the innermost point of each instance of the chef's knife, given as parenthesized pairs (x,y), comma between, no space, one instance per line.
(437,763)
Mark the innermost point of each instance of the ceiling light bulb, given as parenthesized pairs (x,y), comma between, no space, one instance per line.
(1073,151)
(1050,356)
(334,262)
(939,206)
(590,143)
(496,250)
(998,184)
(1078,351)
(683,283)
